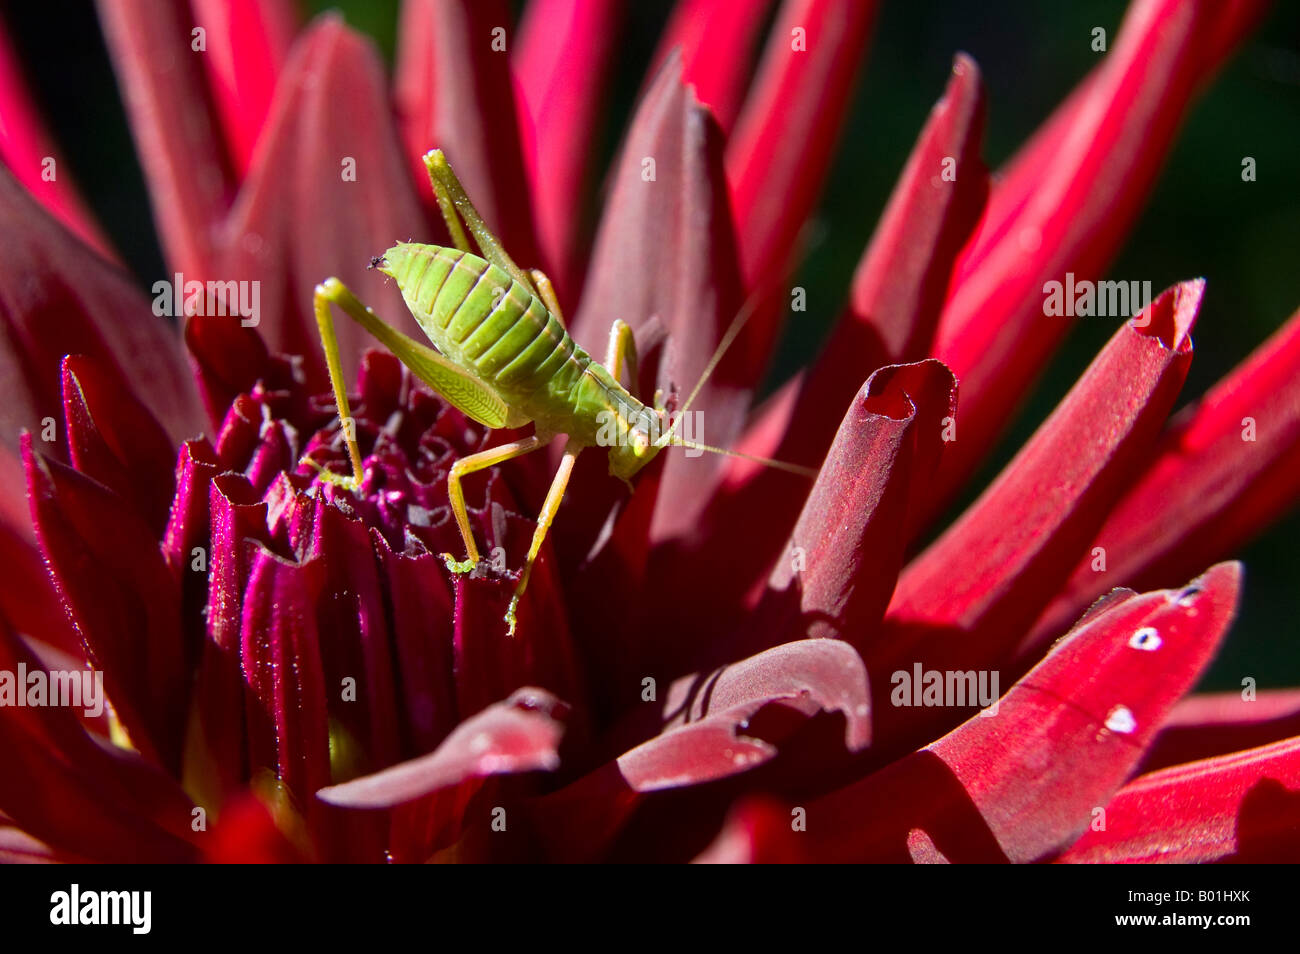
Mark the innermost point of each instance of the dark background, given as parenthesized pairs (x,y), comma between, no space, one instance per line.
(1201,220)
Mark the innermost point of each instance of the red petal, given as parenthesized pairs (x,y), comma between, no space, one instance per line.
(1203,726)
(780,152)
(58,297)
(1021,783)
(1073,207)
(755,833)
(717,724)
(1208,488)
(717,45)
(455,92)
(849,538)
(175,132)
(968,598)
(87,801)
(1241,807)
(247,42)
(115,440)
(562,59)
(25,148)
(119,594)
(299,220)
(519,734)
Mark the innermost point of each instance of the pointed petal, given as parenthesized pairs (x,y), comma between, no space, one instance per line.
(114,439)
(112,579)
(455,92)
(1225,469)
(562,60)
(666,250)
(1243,807)
(58,297)
(25,147)
(969,596)
(1019,782)
(717,45)
(1073,208)
(327,191)
(780,153)
(247,43)
(848,542)
(176,134)
(519,734)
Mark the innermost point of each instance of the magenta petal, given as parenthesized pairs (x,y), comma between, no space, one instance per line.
(1241,807)
(562,58)
(280,654)
(301,217)
(455,92)
(247,42)
(717,44)
(1225,469)
(25,148)
(519,734)
(968,598)
(1070,209)
(58,297)
(175,131)
(1020,782)
(117,590)
(114,439)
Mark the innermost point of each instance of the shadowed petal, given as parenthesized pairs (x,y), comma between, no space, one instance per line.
(58,297)
(247,42)
(1072,207)
(114,439)
(455,92)
(967,598)
(717,45)
(327,191)
(163,89)
(1240,807)
(838,570)
(1225,469)
(715,725)
(106,566)
(564,52)
(26,149)
(519,734)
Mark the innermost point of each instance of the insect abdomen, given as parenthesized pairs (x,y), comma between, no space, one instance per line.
(477,315)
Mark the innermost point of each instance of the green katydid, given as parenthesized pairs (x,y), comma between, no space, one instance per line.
(504,359)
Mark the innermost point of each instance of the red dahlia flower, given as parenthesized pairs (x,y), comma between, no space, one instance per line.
(727,664)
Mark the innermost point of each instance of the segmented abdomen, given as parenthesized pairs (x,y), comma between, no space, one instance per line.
(485,321)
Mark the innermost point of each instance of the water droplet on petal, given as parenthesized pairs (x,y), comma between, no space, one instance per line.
(1121,720)
(1146,638)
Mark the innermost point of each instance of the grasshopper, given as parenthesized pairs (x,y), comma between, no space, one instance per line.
(504,359)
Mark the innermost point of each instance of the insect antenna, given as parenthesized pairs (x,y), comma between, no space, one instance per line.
(670,437)
(768,461)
